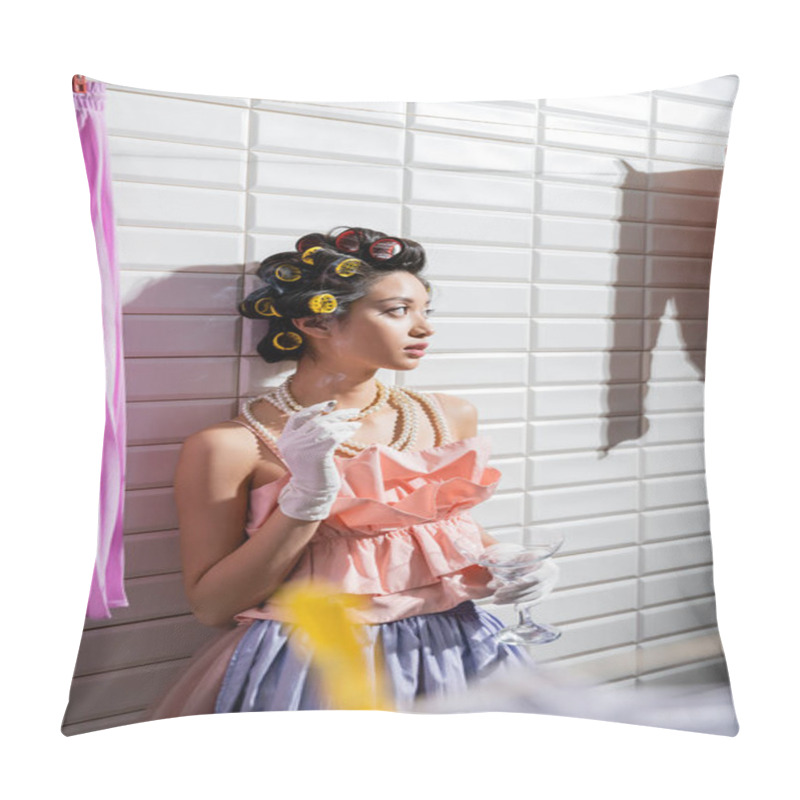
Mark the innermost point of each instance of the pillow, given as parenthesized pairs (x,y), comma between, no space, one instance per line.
(568,247)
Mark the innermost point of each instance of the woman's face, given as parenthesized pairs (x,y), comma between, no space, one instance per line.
(381,327)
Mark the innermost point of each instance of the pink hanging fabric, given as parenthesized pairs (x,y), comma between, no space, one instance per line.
(107,589)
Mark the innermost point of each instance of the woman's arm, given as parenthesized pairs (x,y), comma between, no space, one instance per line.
(462,419)
(224,572)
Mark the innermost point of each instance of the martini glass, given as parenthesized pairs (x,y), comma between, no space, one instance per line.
(509,563)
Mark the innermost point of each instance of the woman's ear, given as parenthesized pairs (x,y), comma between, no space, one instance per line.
(318,326)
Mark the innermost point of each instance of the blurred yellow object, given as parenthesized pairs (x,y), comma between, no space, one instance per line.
(350,678)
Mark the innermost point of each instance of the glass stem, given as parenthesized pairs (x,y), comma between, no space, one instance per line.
(523,616)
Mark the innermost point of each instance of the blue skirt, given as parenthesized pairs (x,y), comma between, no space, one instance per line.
(424,656)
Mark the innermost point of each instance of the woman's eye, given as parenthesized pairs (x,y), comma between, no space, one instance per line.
(428,311)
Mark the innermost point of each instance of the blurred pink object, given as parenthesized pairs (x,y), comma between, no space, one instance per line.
(107,589)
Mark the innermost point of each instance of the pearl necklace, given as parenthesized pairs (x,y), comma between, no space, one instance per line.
(284,392)
(408,419)
(402,398)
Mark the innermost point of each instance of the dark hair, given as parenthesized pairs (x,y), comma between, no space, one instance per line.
(320,280)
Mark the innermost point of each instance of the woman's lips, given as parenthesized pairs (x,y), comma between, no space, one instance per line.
(416,350)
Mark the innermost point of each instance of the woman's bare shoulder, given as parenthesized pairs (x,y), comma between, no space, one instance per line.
(225,446)
(226,434)
(235,448)
(460,413)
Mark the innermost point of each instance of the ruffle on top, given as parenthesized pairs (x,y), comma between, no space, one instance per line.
(392,530)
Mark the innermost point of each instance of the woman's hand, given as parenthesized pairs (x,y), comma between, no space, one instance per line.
(307,445)
(519,576)
(530,587)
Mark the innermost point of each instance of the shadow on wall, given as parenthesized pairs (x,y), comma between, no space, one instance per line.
(667,274)
(181,335)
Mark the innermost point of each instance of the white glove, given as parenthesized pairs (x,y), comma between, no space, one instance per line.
(307,444)
(517,577)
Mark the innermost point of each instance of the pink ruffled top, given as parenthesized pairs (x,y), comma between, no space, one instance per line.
(391,531)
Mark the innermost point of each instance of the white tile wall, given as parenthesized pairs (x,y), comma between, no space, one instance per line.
(586,602)
(479,370)
(549,402)
(692,677)
(269,213)
(684,178)
(151,597)
(513,469)
(610,498)
(602,633)
(592,334)
(581,168)
(674,522)
(513,121)
(167,206)
(474,262)
(159,249)
(463,226)
(295,133)
(673,586)
(184,335)
(594,133)
(686,552)
(589,268)
(459,335)
(392,113)
(683,272)
(682,208)
(630,106)
(692,116)
(121,694)
(150,292)
(671,459)
(590,201)
(138,644)
(150,466)
(279,173)
(590,568)
(175,120)
(674,144)
(157,162)
(152,553)
(569,242)
(668,652)
(496,404)
(150,510)
(507,440)
(578,367)
(499,511)
(470,155)
(155,422)
(722,89)
(180,378)
(672,491)
(674,428)
(593,534)
(683,334)
(428,187)
(583,467)
(594,235)
(671,618)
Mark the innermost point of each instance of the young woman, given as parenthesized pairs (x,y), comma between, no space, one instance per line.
(335,476)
